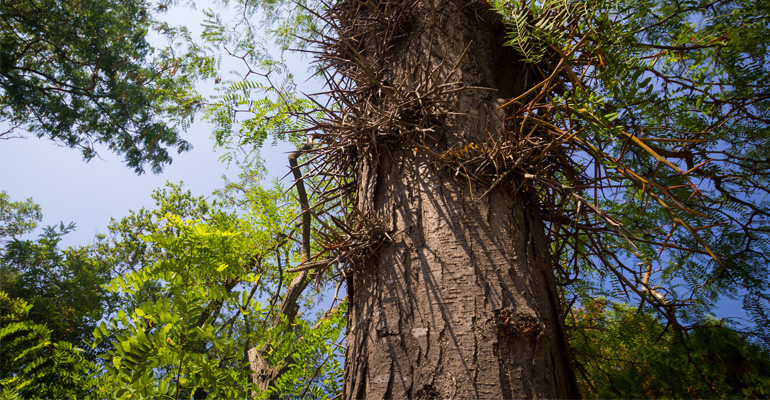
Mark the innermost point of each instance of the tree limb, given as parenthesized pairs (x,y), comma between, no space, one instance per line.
(265,374)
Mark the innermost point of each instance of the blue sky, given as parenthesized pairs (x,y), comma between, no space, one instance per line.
(89,194)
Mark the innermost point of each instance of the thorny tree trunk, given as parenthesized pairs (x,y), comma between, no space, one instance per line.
(461,303)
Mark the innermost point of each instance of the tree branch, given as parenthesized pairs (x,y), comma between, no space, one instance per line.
(264,375)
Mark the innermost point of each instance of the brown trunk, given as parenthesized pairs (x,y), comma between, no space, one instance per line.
(460,301)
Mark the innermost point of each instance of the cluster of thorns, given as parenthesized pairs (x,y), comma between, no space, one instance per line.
(364,112)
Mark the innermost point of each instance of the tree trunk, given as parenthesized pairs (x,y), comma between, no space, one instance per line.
(460,301)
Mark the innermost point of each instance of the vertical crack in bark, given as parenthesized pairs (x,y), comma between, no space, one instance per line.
(389,389)
(362,381)
(562,337)
(476,333)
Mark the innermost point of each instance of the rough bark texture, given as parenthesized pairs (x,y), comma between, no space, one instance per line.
(460,302)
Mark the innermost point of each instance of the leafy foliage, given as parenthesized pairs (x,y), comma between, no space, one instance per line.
(33,366)
(78,72)
(656,113)
(626,354)
(177,333)
(63,287)
(194,288)
(17,217)
(207,288)
(270,112)
(265,101)
(50,300)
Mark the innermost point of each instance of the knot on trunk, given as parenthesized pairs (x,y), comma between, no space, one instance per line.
(513,323)
(427,392)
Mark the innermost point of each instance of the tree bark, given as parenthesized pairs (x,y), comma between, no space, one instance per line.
(460,302)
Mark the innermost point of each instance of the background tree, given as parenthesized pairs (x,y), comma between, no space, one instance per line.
(623,353)
(63,286)
(196,287)
(50,301)
(17,217)
(81,73)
